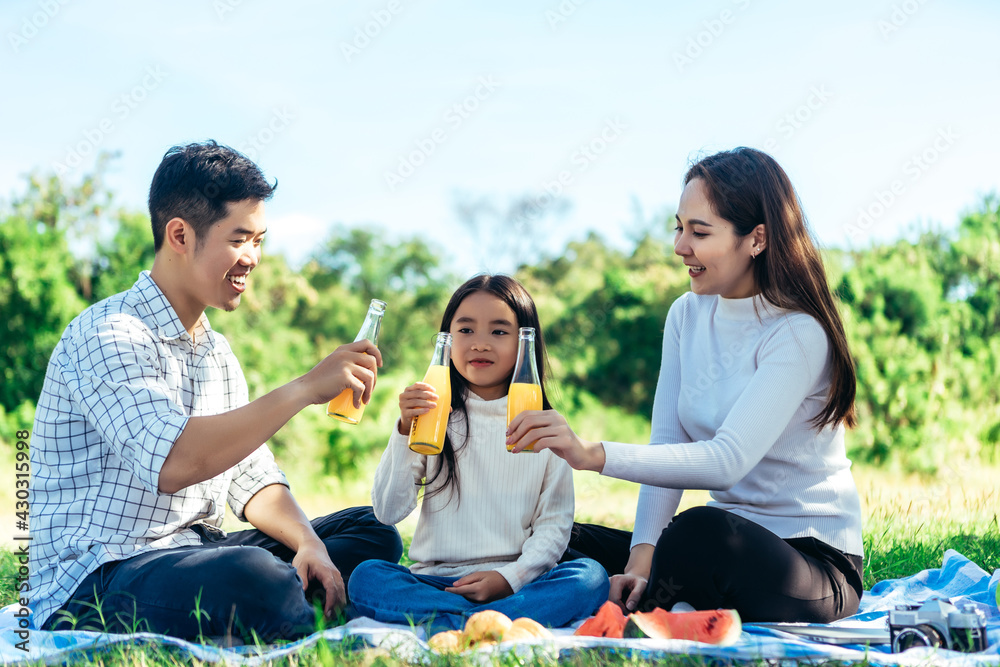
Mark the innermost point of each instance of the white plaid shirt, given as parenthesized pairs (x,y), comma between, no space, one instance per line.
(118,391)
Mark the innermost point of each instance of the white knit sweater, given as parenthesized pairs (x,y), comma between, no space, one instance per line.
(514,514)
(732,414)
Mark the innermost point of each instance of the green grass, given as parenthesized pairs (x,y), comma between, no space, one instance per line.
(896,552)
(909,524)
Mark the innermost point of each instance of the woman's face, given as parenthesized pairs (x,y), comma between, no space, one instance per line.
(717,262)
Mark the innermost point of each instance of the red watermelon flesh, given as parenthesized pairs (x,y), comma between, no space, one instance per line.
(712,626)
(607,622)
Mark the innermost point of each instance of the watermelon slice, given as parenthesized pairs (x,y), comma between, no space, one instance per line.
(712,626)
(607,622)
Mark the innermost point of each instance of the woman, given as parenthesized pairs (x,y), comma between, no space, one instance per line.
(755,389)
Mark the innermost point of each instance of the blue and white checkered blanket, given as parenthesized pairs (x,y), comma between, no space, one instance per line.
(958,579)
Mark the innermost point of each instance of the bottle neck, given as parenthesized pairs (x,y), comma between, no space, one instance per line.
(442,355)
(369,330)
(442,350)
(526,369)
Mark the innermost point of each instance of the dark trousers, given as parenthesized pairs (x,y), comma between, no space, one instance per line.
(713,559)
(236,584)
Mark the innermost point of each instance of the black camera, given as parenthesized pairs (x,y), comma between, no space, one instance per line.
(937,623)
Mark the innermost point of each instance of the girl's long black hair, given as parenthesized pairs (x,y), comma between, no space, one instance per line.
(512,293)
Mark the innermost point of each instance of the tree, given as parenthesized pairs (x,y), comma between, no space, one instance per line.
(603,311)
(356,265)
(921,318)
(119,261)
(43,282)
(976,256)
(504,237)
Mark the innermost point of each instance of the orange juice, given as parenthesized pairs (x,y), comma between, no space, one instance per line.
(428,430)
(342,408)
(521,397)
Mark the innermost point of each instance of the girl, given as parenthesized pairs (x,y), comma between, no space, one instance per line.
(492,525)
(755,389)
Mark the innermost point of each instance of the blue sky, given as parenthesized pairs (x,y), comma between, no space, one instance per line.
(388,112)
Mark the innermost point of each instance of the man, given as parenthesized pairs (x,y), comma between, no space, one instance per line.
(144,431)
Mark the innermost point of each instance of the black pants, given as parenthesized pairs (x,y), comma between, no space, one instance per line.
(712,559)
(231,584)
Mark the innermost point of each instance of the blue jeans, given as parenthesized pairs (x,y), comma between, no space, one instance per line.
(392,594)
(238,583)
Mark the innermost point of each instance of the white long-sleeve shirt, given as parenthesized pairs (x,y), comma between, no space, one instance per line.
(732,412)
(514,514)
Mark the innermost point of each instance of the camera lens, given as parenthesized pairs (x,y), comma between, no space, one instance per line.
(918,635)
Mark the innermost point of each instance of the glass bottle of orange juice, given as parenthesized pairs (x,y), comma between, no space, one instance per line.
(525,387)
(342,407)
(428,430)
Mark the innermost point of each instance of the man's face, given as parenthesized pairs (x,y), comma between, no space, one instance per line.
(228,253)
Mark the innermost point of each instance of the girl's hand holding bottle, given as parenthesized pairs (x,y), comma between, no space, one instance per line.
(548,429)
(417,399)
(428,429)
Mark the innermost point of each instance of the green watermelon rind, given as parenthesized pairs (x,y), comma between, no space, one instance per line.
(634,626)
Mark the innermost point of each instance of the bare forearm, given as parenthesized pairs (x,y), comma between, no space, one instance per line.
(273,511)
(640,560)
(210,445)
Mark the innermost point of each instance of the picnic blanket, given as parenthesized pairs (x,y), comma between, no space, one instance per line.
(958,579)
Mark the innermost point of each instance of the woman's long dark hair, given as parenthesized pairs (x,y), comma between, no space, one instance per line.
(512,293)
(748,188)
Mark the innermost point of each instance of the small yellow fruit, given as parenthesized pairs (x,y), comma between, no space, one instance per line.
(526,628)
(486,625)
(449,641)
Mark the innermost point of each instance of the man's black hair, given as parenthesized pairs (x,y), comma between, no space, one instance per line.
(196,182)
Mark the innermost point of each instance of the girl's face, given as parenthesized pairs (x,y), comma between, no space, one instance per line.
(484,344)
(708,246)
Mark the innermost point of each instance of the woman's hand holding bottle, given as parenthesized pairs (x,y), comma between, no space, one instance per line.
(547,429)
